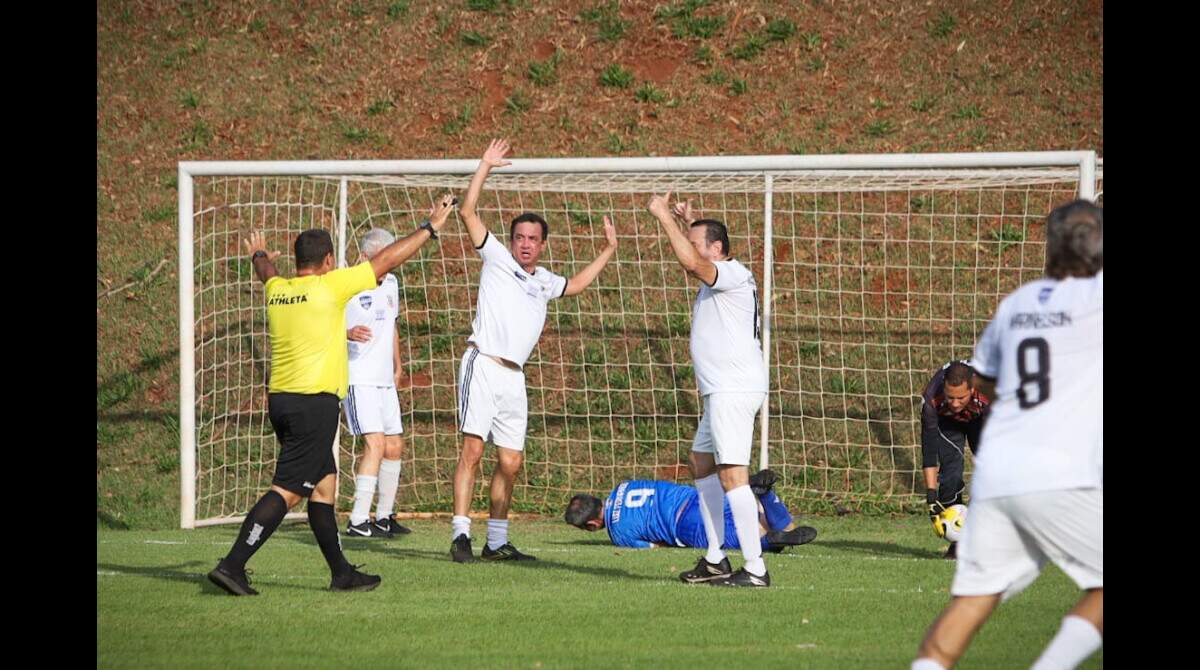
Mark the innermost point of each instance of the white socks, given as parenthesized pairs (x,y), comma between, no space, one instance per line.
(744,507)
(497,535)
(389,481)
(364,493)
(712,510)
(1076,640)
(926,664)
(460,525)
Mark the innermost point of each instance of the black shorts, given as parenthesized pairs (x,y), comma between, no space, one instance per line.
(306,425)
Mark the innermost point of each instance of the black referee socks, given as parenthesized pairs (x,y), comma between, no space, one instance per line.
(324,526)
(262,520)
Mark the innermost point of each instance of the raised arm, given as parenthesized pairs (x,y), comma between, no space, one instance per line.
(394,254)
(493,157)
(687,255)
(586,276)
(264,264)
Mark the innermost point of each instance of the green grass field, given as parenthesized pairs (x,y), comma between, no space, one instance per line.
(860,596)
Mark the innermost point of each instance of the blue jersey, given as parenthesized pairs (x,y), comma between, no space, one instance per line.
(640,512)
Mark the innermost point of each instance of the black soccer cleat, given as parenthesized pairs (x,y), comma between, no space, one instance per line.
(743,578)
(460,550)
(354,581)
(365,529)
(951,552)
(507,552)
(232,580)
(706,572)
(777,540)
(388,525)
(762,481)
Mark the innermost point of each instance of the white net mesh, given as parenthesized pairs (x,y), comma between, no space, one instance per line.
(878,278)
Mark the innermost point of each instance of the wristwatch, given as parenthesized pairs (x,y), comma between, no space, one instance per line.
(426,225)
(255,256)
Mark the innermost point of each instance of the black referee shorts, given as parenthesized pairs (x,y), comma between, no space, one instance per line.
(305,425)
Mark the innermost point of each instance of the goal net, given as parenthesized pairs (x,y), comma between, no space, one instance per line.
(873,271)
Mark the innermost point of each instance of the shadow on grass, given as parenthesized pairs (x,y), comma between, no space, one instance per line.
(109,521)
(176,573)
(878,548)
(591,542)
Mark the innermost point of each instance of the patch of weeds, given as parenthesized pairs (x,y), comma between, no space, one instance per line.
(190,100)
(579,216)
(923,103)
(615,76)
(517,102)
(815,64)
(356,134)
(841,42)
(199,135)
(716,77)
(811,40)
(161,213)
(1008,235)
(693,26)
(848,385)
(879,104)
(822,124)
(257,25)
(483,5)
(779,30)
(809,348)
(544,73)
(702,56)
(614,144)
(648,93)
(978,135)
(166,461)
(942,25)
(880,128)
(919,203)
(357,11)
(380,106)
(610,27)
(738,86)
(967,112)
(474,38)
(459,122)
(753,46)
(398,9)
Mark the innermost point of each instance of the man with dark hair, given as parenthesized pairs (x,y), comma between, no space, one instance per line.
(309,376)
(1038,489)
(952,414)
(643,514)
(510,314)
(732,378)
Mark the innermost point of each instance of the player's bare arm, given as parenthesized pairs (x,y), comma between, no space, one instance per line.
(402,249)
(493,157)
(264,263)
(397,371)
(576,284)
(687,255)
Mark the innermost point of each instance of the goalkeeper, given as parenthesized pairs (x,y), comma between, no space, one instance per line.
(643,514)
(952,416)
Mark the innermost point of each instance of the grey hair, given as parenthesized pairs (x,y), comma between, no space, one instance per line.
(374,241)
(1075,240)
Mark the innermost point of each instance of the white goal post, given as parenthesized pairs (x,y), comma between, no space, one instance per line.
(873,270)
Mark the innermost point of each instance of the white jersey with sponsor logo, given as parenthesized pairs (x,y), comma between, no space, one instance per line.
(511,310)
(1045,347)
(726,351)
(377,309)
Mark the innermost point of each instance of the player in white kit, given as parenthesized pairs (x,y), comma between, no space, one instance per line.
(371,405)
(728,360)
(510,314)
(1038,492)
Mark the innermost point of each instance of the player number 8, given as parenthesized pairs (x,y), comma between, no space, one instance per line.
(1040,375)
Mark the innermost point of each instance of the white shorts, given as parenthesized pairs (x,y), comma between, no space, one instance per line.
(727,426)
(1006,541)
(373,409)
(491,401)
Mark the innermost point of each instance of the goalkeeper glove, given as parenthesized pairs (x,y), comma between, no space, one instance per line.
(935,511)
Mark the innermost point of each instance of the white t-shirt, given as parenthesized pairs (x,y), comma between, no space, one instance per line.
(1045,347)
(377,309)
(511,310)
(726,351)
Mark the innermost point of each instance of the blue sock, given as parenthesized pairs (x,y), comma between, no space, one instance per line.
(777,513)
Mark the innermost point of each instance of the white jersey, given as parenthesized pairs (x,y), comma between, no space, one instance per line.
(377,309)
(726,351)
(511,310)
(1045,347)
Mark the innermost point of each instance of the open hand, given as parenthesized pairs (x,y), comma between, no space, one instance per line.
(441,211)
(256,241)
(610,233)
(683,211)
(496,151)
(659,206)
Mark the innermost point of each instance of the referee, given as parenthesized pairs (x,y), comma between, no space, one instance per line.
(309,376)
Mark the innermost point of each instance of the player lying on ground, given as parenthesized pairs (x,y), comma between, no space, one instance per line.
(953,411)
(509,316)
(1037,493)
(645,513)
(309,375)
(371,405)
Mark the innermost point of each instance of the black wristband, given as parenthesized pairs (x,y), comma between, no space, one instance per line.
(255,255)
(426,225)
(930,496)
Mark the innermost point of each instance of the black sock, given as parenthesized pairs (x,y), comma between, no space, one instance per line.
(324,526)
(262,520)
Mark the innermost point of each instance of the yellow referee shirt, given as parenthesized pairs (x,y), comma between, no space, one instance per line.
(307,318)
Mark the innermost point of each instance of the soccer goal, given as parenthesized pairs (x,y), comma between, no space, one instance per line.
(873,270)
